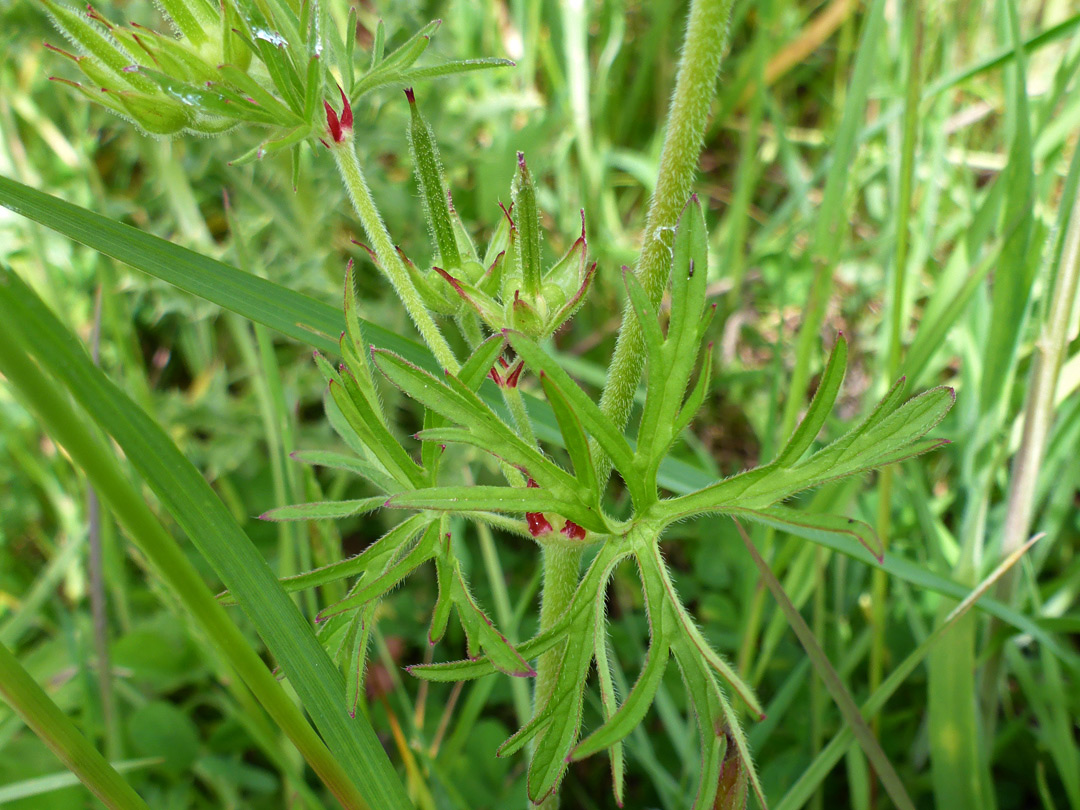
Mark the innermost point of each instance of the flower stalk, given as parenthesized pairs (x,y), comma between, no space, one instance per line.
(695,86)
(391,263)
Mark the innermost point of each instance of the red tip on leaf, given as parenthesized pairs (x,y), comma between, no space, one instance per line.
(339,126)
(332,123)
(538,524)
(521,160)
(495,376)
(93,14)
(54,49)
(368,250)
(506,212)
(582,224)
(410,95)
(532,484)
(513,377)
(453,282)
(573,531)
(404,258)
(346,110)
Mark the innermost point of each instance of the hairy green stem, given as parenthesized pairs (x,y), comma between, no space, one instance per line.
(695,87)
(516,403)
(389,261)
(504,612)
(561,566)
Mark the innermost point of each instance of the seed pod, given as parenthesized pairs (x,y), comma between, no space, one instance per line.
(425,155)
(528,223)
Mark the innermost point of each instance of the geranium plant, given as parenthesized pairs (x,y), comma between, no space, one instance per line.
(269,65)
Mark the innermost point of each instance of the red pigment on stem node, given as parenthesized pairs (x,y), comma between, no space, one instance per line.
(339,127)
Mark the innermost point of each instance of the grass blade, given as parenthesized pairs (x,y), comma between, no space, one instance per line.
(806,784)
(54,728)
(95,458)
(844,701)
(41,785)
(211,527)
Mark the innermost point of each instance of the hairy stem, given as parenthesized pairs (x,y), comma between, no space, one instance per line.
(389,261)
(695,86)
(561,566)
(516,403)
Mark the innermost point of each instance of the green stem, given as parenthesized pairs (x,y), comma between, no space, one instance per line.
(58,732)
(880,587)
(504,612)
(695,87)
(561,565)
(516,403)
(389,261)
(97,461)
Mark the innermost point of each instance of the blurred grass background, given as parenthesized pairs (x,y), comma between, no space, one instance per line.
(953,248)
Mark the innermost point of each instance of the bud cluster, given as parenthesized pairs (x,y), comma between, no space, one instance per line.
(506,288)
(201,81)
(237,63)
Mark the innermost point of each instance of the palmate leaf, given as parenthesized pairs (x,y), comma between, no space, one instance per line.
(398,67)
(574,438)
(637,701)
(384,565)
(670,360)
(607,697)
(353,464)
(599,572)
(498,499)
(599,426)
(888,435)
(471,375)
(481,427)
(480,632)
(374,556)
(365,418)
(324,510)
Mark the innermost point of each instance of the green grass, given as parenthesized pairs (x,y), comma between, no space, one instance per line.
(910,183)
